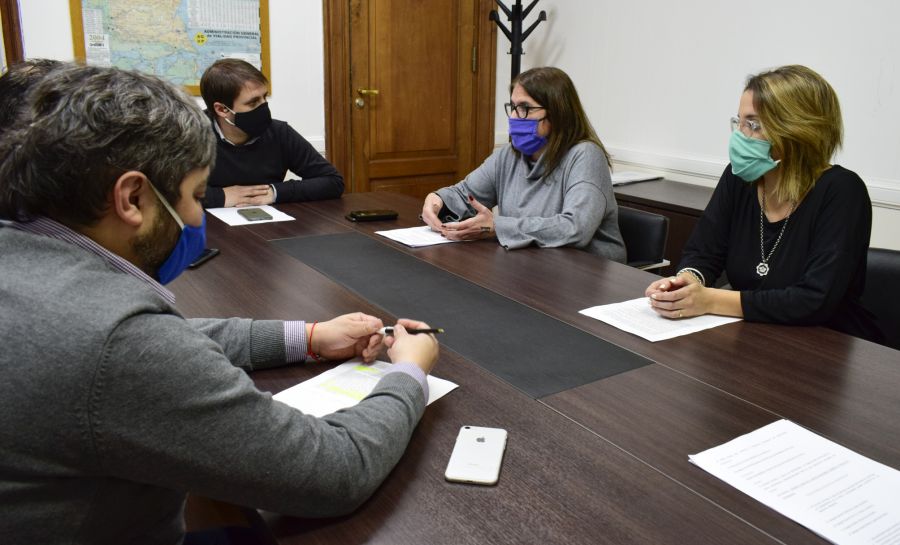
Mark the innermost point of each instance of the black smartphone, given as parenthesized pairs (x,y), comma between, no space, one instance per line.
(207,254)
(372,215)
(254,214)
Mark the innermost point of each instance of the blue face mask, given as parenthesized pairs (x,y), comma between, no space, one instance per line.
(190,245)
(750,157)
(524,135)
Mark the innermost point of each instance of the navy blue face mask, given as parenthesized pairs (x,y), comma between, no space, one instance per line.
(190,245)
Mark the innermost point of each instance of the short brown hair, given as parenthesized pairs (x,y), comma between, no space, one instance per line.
(801,118)
(553,89)
(224,80)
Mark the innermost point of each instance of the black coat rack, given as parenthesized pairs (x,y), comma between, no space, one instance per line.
(516,16)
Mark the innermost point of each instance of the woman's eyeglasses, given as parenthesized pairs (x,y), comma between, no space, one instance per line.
(747,125)
(522,110)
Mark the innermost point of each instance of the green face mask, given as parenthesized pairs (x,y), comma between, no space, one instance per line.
(750,157)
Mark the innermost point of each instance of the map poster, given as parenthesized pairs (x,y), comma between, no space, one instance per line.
(173,39)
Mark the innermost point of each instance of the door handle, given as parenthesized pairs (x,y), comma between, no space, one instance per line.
(367,91)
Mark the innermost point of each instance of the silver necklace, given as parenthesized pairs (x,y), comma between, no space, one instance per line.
(763,268)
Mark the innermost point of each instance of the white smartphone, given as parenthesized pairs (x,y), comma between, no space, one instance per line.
(477,455)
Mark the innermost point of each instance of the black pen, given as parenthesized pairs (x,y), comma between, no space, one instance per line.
(390,330)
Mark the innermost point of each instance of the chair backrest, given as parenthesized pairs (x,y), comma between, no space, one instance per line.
(882,273)
(644,234)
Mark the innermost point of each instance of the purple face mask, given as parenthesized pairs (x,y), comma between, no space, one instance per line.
(525,138)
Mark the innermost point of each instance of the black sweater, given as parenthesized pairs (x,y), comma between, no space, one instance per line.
(266,161)
(817,273)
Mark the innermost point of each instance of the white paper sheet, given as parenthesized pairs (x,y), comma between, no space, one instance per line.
(345,386)
(629,177)
(415,236)
(636,317)
(231,216)
(837,493)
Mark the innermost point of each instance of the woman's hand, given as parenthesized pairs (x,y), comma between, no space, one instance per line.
(474,228)
(678,297)
(430,209)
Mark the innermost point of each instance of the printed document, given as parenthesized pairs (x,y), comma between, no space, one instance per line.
(231,216)
(636,317)
(843,496)
(415,236)
(345,386)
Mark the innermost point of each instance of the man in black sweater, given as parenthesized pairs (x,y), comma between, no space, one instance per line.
(254,151)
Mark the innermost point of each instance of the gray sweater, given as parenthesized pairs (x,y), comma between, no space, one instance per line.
(113,406)
(573,206)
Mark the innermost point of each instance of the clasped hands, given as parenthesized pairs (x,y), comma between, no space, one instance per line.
(477,227)
(678,297)
(356,335)
(248,195)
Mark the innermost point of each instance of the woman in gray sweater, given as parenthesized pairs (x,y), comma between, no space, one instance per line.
(551,185)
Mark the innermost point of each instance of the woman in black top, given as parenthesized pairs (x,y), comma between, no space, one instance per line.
(790,230)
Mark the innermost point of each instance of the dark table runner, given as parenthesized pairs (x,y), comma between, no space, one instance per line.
(532,351)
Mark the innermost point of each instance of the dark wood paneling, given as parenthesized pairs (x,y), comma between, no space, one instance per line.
(681,203)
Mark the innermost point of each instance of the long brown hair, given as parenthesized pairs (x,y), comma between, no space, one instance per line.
(553,89)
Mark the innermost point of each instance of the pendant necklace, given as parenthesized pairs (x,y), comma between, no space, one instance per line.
(763,268)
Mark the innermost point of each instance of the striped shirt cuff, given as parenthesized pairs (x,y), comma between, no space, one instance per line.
(294,341)
(415,372)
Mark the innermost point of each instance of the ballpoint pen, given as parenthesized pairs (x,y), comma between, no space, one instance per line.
(390,330)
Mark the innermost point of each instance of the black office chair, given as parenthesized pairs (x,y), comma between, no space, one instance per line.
(645,236)
(880,296)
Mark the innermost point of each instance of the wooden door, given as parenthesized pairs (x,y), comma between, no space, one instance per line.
(412,107)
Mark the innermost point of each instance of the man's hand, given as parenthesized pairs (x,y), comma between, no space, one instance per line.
(347,336)
(248,195)
(420,349)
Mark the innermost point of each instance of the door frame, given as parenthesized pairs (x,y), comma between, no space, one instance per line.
(338,96)
(12,32)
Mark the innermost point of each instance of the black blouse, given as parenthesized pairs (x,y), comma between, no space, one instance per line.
(817,273)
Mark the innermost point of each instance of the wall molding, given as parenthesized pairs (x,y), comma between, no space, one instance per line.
(884,193)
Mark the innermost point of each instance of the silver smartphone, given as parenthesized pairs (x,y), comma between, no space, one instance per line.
(477,456)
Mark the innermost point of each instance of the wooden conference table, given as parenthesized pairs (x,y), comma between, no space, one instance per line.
(606,462)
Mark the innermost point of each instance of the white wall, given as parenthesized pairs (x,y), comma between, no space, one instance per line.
(295,47)
(659,78)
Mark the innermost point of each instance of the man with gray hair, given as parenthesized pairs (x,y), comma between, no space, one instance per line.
(15,84)
(113,405)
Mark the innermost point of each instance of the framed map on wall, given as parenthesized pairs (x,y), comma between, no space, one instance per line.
(173,39)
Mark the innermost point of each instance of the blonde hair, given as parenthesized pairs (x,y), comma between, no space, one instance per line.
(801,118)
(553,89)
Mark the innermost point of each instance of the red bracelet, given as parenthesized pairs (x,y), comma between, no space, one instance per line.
(309,350)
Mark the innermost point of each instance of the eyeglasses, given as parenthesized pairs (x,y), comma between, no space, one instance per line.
(522,110)
(747,125)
